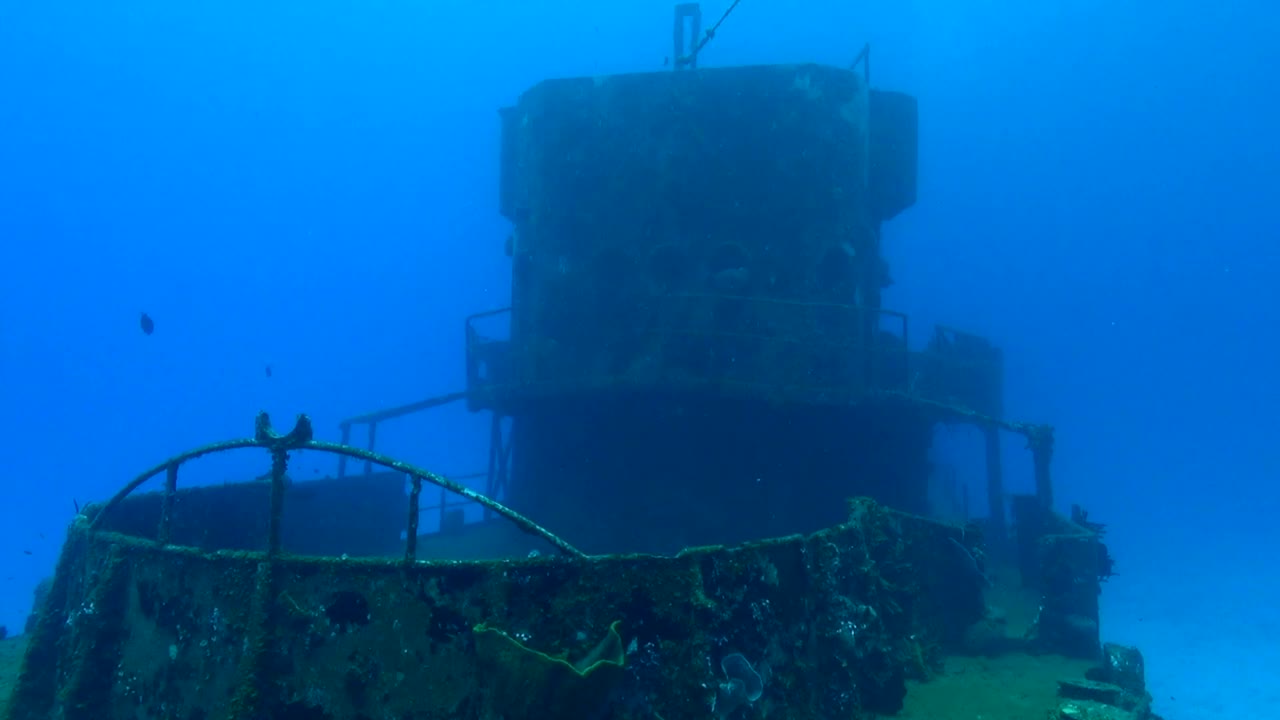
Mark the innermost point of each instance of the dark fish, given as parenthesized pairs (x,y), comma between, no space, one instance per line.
(731,279)
(27,552)
(148,325)
(268,371)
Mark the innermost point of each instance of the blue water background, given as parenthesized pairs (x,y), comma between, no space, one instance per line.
(312,185)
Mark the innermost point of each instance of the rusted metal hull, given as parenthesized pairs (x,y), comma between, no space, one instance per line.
(833,623)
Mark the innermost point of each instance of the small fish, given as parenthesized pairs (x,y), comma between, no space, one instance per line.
(731,279)
(27,552)
(148,325)
(268,371)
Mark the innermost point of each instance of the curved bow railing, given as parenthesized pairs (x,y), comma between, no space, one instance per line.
(300,438)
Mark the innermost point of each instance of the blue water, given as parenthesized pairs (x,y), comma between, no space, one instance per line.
(312,186)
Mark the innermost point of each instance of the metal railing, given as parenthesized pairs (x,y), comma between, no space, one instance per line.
(301,438)
(496,366)
(371,421)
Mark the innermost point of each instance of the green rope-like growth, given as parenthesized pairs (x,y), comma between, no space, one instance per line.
(526,684)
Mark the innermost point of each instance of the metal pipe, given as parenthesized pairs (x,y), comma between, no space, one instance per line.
(166,507)
(346,440)
(1040,440)
(279,464)
(680,59)
(373,440)
(411,535)
(995,482)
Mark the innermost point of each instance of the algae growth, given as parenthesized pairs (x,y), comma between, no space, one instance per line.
(11,651)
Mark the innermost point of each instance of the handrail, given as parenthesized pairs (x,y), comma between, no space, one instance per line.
(691,60)
(372,419)
(871,318)
(407,409)
(1039,436)
(300,438)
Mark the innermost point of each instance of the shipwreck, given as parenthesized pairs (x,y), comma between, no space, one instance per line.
(709,486)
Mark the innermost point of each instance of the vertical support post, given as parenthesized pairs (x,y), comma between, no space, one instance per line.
(681,58)
(373,441)
(868,320)
(258,666)
(411,535)
(995,483)
(346,440)
(906,352)
(279,464)
(85,692)
(1040,440)
(166,507)
(444,501)
(504,462)
(495,453)
(864,57)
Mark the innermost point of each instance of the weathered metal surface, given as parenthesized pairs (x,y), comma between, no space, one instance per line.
(667,471)
(696,349)
(712,227)
(1066,561)
(833,623)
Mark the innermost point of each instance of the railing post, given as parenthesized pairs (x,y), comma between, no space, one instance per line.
(995,482)
(346,440)
(906,349)
(495,451)
(411,535)
(681,59)
(868,320)
(166,507)
(504,460)
(1040,439)
(864,57)
(279,464)
(373,440)
(444,502)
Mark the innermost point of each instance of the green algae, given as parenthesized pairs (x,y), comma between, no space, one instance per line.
(521,682)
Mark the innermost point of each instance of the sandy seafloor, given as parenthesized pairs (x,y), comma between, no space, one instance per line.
(1206,614)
